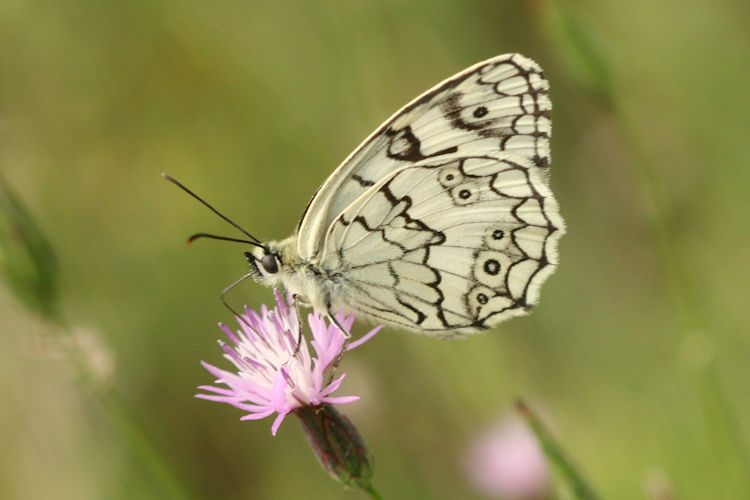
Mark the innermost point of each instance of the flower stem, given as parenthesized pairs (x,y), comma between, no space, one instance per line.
(373,493)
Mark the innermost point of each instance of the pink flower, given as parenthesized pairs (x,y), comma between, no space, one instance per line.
(506,461)
(269,378)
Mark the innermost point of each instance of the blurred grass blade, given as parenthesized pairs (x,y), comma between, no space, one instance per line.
(582,50)
(565,470)
(27,261)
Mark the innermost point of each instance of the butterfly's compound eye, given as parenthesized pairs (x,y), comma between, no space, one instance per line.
(269,264)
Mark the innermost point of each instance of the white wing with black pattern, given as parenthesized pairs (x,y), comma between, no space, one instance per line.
(442,221)
(497,105)
(446,246)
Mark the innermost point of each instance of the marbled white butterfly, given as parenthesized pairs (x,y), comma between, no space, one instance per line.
(442,221)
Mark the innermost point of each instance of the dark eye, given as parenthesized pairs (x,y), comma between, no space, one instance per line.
(269,264)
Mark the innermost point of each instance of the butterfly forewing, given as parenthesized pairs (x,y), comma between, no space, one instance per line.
(499,105)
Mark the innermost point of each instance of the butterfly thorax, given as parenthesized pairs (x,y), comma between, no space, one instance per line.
(312,285)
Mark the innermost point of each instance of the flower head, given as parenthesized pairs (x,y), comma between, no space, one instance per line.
(270,377)
(506,461)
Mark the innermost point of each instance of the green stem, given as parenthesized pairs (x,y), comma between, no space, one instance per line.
(143,446)
(130,430)
(373,493)
(565,469)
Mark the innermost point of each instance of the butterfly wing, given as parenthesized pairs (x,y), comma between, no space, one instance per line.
(497,105)
(448,245)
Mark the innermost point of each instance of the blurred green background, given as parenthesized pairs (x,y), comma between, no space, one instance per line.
(636,356)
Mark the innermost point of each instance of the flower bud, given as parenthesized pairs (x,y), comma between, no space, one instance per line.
(27,262)
(340,448)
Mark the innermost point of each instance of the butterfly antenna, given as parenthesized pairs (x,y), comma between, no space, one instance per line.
(181,186)
(223,238)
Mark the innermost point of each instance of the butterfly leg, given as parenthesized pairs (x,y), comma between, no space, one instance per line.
(343,330)
(227,290)
(340,356)
(299,322)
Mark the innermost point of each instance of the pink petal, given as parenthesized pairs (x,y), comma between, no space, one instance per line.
(218,390)
(277,423)
(257,416)
(333,386)
(364,338)
(278,392)
(340,400)
(229,333)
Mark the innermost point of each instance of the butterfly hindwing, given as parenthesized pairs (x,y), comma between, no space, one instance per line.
(447,245)
(499,105)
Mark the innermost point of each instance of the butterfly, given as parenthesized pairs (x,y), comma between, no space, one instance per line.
(442,221)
